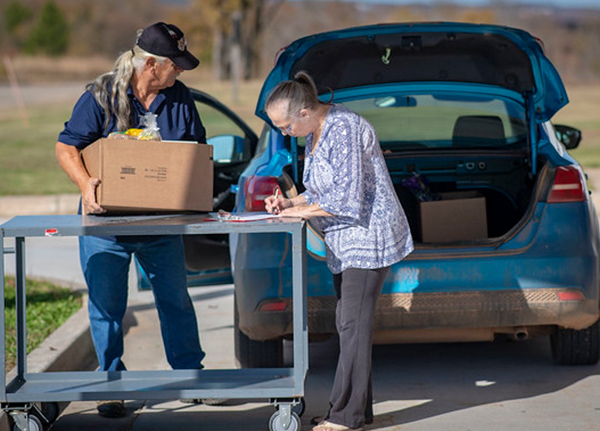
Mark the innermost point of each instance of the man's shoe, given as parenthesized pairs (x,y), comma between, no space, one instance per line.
(190,400)
(213,401)
(205,401)
(111,409)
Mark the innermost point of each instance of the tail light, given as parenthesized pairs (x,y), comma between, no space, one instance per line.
(569,186)
(570,295)
(274,305)
(256,191)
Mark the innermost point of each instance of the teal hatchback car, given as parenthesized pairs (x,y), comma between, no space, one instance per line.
(507,240)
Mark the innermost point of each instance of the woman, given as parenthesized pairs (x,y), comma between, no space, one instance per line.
(144,80)
(350,197)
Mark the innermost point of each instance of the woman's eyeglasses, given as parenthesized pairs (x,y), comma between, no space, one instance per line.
(288,129)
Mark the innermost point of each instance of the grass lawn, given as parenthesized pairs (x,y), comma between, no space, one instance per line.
(27,162)
(48,307)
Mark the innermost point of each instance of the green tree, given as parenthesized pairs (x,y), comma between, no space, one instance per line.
(16,14)
(14,26)
(50,35)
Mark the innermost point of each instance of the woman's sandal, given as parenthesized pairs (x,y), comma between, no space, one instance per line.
(330,426)
(318,419)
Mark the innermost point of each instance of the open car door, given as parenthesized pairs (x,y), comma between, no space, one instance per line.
(234,143)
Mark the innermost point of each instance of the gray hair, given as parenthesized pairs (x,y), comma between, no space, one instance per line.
(300,93)
(110,89)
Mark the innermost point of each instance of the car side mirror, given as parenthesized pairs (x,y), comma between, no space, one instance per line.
(569,136)
(227,148)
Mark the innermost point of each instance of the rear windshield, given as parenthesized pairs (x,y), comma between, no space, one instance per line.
(440,121)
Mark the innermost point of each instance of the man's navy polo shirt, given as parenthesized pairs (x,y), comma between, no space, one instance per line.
(177,118)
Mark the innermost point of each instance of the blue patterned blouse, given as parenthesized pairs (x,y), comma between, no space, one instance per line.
(347,176)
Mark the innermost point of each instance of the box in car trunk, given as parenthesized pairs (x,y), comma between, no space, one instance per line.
(457,216)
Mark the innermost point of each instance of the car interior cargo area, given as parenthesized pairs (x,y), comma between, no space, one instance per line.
(456,199)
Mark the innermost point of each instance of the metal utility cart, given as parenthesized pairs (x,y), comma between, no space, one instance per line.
(31,398)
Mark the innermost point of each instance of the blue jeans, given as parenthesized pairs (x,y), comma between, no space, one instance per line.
(105,262)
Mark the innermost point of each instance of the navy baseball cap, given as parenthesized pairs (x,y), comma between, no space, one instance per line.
(167,40)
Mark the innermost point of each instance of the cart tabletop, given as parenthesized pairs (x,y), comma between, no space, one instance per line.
(162,224)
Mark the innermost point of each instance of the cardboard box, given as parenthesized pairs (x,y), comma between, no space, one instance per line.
(151,176)
(458,216)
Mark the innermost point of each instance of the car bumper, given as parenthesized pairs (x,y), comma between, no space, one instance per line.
(440,316)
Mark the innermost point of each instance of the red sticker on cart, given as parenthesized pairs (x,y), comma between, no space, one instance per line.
(51,232)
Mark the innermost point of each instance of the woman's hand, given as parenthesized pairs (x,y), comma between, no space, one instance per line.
(275,205)
(294,207)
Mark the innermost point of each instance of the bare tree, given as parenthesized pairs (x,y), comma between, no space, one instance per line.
(237,24)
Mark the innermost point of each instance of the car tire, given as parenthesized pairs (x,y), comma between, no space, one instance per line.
(256,354)
(576,347)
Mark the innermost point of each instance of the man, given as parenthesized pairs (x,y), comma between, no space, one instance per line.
(144,80)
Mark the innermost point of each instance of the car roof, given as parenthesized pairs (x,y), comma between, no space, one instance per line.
(441,52)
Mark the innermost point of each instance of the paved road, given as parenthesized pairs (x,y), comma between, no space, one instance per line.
(39,94)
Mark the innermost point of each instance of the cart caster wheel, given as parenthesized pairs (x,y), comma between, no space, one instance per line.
(276,425)
(300,407)
(47,412)
(33,424)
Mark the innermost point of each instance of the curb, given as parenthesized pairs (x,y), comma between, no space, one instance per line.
(69,348)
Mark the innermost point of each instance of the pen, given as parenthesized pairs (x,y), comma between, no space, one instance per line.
(275,195)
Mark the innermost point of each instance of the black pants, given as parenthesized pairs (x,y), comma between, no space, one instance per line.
(357,292)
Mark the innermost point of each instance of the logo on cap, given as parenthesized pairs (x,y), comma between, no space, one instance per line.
(181,43)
